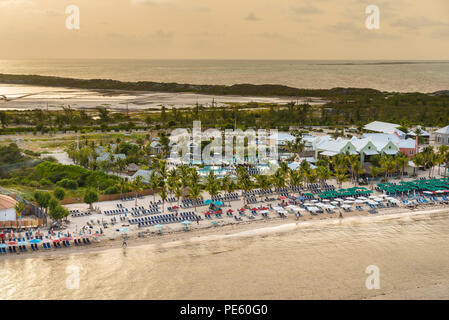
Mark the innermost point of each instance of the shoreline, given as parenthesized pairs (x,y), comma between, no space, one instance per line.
(246,230)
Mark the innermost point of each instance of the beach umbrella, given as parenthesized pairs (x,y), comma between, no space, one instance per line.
(208,201)
(326,200)
(215,223)
(218,203)
(348,201)
(175,208)
(12,242)
(230,211)
(328,206)
(186,222)
(334,203)
(350,198)
(313,209)
(282,198)
(254,209)
(346,206)
(2,245)
(339,199)
(35,241)
(158,226)
(124,229)
(241,209)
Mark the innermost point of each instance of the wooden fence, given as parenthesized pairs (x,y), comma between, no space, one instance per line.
(108,197)
(27,223)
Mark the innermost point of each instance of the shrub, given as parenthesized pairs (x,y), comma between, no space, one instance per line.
(112,190)
(68,184)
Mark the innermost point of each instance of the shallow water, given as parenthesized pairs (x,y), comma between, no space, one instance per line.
(324,259)
(422,76)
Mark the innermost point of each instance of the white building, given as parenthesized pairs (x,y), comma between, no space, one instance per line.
(7,208)
(442,136)
(385,127)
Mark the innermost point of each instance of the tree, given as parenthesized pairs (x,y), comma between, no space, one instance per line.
(324,173)
(279,178)
(163,194)
(90,197)
(340,176)
(137,186)
(212,185)
(20,208)
(59,193)
(401,161)
(58,213)
(388,164)
(374,172)
(195,192)
(42,198)
(295,178)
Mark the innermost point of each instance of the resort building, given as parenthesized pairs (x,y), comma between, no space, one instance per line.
(442,136)
(425,136)
(7,208)
(369,145)
(106,156)
(385,127)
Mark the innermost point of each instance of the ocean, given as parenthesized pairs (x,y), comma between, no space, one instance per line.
(325,259)
(401,76)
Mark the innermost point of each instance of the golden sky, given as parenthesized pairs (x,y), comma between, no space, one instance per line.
(225,29)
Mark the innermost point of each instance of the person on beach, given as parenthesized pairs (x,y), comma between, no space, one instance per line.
(341,215)
(197,220)
(124,244)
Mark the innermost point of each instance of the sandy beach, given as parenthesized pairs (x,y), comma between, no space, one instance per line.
(275,259)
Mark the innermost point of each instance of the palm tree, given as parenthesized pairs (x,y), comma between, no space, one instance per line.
(212,184)
(195,192)
(178,191)
(123,184)
(296,146)
(263,182)
(155,182)
(163,194)
(137,186)
(228,185)
(401,161)
(388,164)
(374,172)
(324,173)
(340,176)
(295,178)
(443,150)
(419,160)
(279,178)
(184,174)
(311,176)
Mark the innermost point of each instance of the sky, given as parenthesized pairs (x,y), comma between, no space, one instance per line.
(225,29)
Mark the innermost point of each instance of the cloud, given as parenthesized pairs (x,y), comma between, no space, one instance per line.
(148,2)
(252,17)
(358,32)
(307,8)
(15,3)
(415,23)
